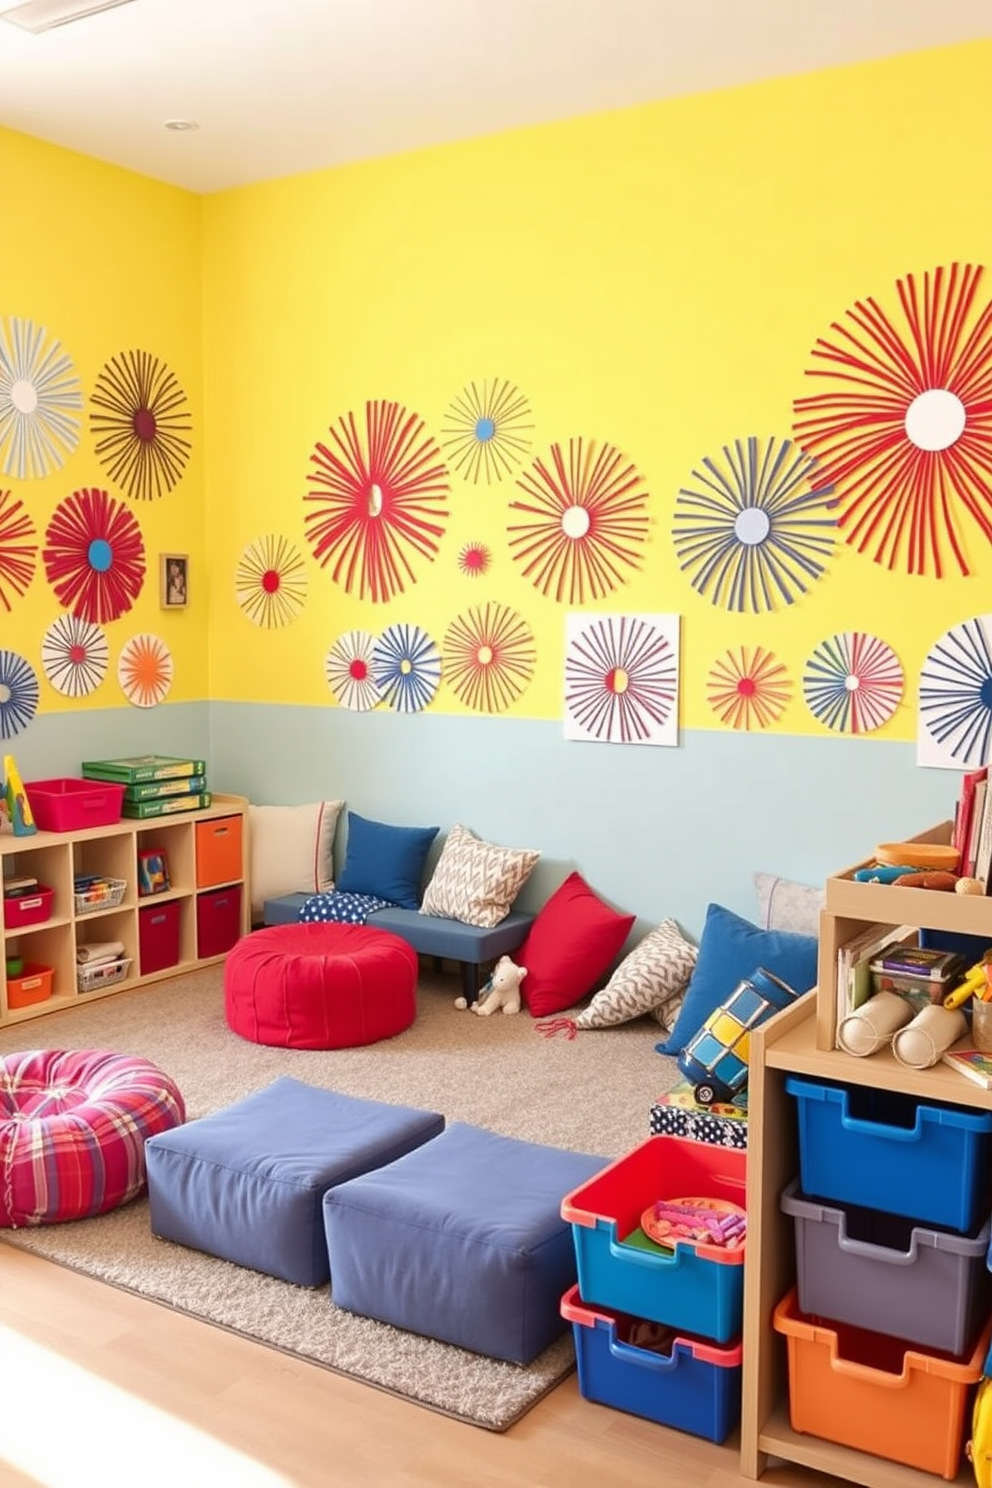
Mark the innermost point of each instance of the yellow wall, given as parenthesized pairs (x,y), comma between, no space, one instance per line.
(108,262)
(655,278)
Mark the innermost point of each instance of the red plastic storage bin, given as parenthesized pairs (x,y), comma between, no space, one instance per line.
(69,805)
(158,937)
(218,921)
(28,909)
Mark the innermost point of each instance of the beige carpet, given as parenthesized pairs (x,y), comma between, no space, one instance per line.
(592,1094)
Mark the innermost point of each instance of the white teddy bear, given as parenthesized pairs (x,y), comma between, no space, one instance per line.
(501,991)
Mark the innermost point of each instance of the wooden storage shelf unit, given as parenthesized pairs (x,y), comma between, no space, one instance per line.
(801,1041)
(56,858)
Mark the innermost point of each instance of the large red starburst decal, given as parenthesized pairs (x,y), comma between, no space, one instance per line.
(904,432)
(377,500)
(94,556)
(18,550)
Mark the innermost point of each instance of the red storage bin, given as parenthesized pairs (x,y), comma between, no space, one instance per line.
(69,805)
(158,937)
(218,921)
(28,909)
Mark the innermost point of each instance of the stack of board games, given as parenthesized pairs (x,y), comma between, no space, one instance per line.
(154,784)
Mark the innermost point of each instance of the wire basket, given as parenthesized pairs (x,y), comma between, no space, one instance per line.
(101,974)
(107,894)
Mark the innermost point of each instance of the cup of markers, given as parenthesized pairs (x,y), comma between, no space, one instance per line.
(976,990)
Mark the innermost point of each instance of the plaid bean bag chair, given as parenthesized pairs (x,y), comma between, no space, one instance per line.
(73,1125)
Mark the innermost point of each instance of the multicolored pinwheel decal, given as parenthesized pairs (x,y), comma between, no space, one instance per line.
(904,426)
(753,531)
(584,523)
(955,706)
(94,556)
(19,694)
(487,430)
(622,678)
(18,550)
(144,670)
(270,582)
(348,669)
(748,688)
(853,682)
(39,393)
(475,559)
(406,667)
(377,501)
(489,656)
(140,424)
(74,656)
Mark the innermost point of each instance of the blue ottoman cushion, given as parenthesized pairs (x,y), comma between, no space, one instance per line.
(246,1182)
(462,1241)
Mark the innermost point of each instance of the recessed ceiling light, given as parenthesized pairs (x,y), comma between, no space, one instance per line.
(181,125)
(44,15)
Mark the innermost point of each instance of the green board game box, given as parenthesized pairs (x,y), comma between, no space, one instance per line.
(182,785)
(167,806)
(141,768)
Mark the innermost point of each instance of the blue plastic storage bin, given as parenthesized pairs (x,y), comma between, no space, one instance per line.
(696,1288)
(886,1150)
(679,1381)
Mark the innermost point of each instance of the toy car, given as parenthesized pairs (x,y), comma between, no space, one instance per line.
(715,1060)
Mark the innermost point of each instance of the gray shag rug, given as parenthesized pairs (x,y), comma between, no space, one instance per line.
(590,1094)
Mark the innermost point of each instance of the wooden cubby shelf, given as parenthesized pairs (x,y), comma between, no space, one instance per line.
(205,908)
(801,1041)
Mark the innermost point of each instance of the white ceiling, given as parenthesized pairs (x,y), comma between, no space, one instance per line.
(280,86)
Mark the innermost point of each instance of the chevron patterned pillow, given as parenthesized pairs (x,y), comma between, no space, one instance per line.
(651,979)
(476,881)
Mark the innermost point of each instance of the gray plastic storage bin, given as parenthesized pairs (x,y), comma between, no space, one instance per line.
(886,1273)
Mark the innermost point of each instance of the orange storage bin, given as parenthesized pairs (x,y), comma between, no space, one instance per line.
(218,851)
(876,1394)
(33,985)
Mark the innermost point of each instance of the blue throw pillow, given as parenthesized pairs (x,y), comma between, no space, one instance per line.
(385,861)
(729,950)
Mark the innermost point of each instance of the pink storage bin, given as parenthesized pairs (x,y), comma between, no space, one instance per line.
(69,805)
(28,909)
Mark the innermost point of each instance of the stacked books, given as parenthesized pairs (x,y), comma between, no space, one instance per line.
(154,784)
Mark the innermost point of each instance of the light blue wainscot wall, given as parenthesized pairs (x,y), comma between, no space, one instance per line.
(55,744)
(657,832)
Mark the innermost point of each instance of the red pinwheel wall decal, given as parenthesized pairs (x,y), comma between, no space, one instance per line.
(39,395)
(18,550)
(348,669)
(748,688)
(903,426)
(74,656)
(94,556)
(489,657)
(377,499)
(140,424)
(753,530)
(270,582)
(583,524)
(622,679)
(475,559)
(487,430)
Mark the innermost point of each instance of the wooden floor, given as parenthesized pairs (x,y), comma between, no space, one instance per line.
(99,1389)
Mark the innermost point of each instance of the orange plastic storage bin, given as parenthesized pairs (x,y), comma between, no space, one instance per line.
(876,1394)
(218,851)
(33,985)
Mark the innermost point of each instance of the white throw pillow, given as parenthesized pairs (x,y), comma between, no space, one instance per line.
(785,905)
(651,979)
(291,850)
(476,881)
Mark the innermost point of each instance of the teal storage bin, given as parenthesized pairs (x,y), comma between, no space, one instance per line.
(883,1149)
(696,1288)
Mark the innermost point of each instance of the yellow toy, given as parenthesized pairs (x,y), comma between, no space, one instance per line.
(16,800)
(979,1449)
(974,984)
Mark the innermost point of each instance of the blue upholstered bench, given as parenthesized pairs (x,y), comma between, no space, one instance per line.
(431,935)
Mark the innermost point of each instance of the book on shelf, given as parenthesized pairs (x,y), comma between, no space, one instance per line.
(154,790)
(967,817)
(167,806)
(854,960)
(139,768)
(982,866)
(971,1063)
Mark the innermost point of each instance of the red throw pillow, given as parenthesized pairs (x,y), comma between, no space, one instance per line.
(574,938)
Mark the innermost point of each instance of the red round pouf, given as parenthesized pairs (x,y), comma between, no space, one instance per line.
(320,986)
(73,1125)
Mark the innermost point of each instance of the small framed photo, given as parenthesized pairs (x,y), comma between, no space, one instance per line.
(174,581)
